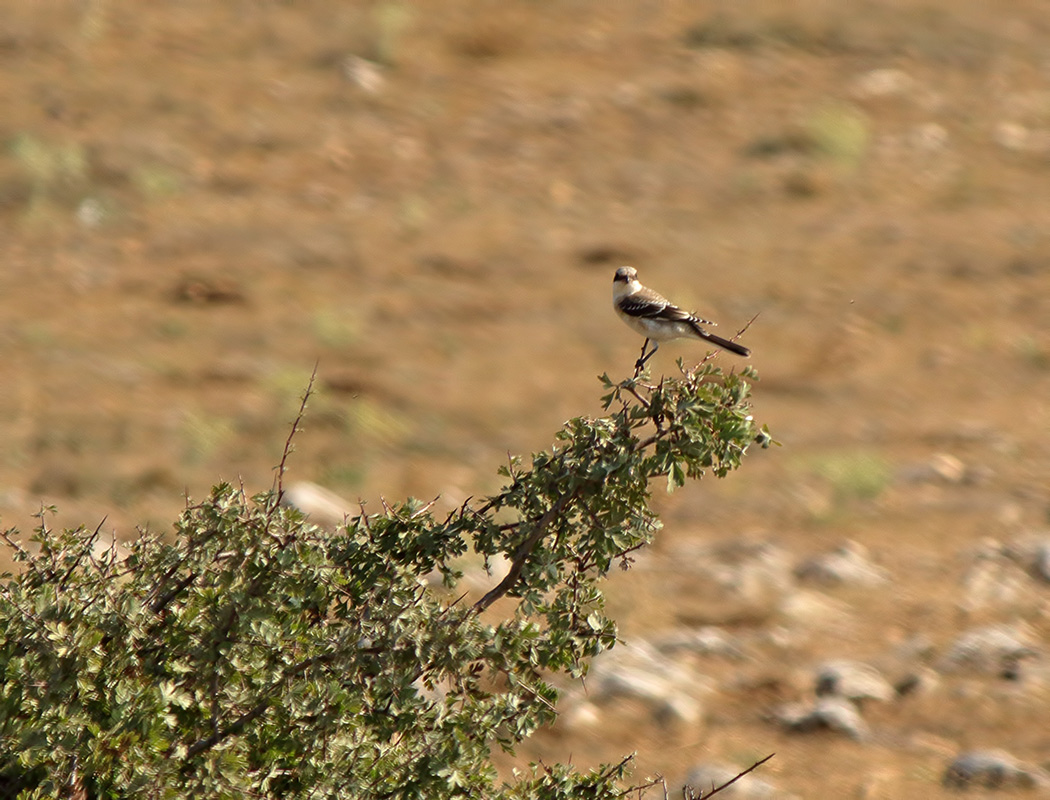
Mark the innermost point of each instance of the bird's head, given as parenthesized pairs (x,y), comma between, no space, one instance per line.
(625,275)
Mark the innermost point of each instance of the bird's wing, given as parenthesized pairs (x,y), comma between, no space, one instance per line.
(650,305)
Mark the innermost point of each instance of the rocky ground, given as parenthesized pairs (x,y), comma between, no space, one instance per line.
(200,201)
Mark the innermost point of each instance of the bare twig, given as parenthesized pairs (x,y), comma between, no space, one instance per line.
(18,548)
(740,333)
(623,762)
(278,481)
(691,373)
(645,404)
(523,552)
(85,551)
(419,512)
(643,788)
(687,792)
(651,440)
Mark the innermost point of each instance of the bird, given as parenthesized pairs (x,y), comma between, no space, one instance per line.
(657,318)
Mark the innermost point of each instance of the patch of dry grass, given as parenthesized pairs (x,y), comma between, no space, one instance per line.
(444,247)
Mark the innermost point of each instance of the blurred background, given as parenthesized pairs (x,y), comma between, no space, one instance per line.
(200,201)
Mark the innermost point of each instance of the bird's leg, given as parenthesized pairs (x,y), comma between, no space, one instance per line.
(640,363)
(652,352)
(641,359)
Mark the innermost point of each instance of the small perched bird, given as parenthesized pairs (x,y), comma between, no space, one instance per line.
(657,318)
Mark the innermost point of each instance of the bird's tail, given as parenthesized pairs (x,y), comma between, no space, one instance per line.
(732,347)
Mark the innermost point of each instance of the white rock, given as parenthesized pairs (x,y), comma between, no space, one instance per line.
(1021,139)
(853,680)
(640,671)
(707,640)
(993,649)
(995,580)
(848,564)
(885,82)
(929,136)
(364,73)
(319,503)
(1032,552)
(814,610)
(828,713)
(579,714)
(992,769)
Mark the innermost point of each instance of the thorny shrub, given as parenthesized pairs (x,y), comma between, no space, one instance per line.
(252,654)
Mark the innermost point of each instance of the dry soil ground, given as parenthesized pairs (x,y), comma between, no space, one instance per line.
(200,200)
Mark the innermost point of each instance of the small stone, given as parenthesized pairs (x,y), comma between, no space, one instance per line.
(641,672)
(1021,139)
(941,468)
(994,580)
(948,467)
(206,290)
(917,682)
(580,715)
(325,506)
(930,137)
(992,769)
(1041,562)
(91,213)
(1032,553)
(365,74)
(828,713)
(848,564)
(994,649)
(885,82)
(852,680)
(814,610)
(707,640)
(1011,135)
